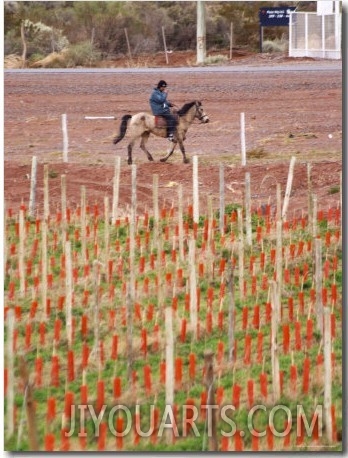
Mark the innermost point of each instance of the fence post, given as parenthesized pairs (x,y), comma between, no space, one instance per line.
(165,45)
(242,138)
(65,138)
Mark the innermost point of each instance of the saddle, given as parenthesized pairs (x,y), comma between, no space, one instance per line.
(161,122)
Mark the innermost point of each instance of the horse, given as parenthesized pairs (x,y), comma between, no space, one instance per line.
(141,125)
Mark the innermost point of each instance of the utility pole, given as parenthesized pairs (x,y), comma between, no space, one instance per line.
(201,50)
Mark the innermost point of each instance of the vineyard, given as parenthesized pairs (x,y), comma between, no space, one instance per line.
(112,314)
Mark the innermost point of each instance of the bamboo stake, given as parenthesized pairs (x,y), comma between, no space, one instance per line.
(83,223)
(169,358)
(193,287)
(231,309)
(310,197)
(288,187)
(21,254)
(222,198)
(116,188)
(274,344)
(180,222)
(46,194)
(240,253)
(68,292)
(279,203)
(44,267)
(96,281)
(195,189)
(155,204)
(314,216)
(11,377)
(32,187)
(279,267)
(328,374)
(209,384)
(318,284)
(30,405)
(106,230)
(248,210)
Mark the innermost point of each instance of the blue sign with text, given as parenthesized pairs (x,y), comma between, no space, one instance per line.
(275,16)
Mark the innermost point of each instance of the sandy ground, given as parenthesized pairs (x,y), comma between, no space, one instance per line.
(287,113)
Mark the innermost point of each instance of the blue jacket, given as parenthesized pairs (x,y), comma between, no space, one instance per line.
(159,103)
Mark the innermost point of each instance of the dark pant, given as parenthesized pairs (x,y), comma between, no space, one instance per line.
(171,123)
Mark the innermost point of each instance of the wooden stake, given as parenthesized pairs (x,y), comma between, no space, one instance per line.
(32,187)
(30,405)
(68,292)
(318,284)
(165,45)
(248,210)
(116,187)
(195,190)
(288,187)
(180,223)
(44,268)
(240,253)
(46,194)
(209,384)
(222,198)
(193,287)
(231,308)
(21,254)
(328,375)
(128,45)
(242,139)
(274,343)
(169,383)
(11,378)
(65,138)
(279,268)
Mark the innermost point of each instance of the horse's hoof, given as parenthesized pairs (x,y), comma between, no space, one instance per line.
(186,161)
(163,159)
(150,159)
(129,162)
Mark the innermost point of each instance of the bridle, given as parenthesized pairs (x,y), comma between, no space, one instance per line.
(201,116)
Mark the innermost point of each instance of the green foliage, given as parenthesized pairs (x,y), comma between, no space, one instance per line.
(83,54)
(104,23)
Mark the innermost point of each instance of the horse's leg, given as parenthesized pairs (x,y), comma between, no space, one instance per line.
(144,139)
(171,151)
(182,149)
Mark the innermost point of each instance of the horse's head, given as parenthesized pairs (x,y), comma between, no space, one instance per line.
(200,112)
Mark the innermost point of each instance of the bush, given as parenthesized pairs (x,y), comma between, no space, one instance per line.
(83,54)
(217,59)
(275,45)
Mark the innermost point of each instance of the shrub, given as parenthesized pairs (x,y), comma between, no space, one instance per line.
(275,45)
(83,54)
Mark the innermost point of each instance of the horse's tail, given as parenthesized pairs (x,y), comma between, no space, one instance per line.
(123,128)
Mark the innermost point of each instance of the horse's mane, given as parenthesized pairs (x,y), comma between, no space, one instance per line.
(184,109)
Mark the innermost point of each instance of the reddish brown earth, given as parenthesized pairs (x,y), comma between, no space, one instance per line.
(292,113)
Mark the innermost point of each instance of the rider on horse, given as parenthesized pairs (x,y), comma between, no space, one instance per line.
(160,106)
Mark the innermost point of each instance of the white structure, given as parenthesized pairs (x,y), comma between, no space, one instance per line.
(317,34)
